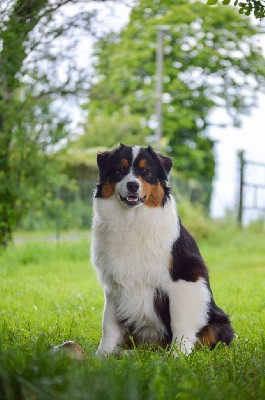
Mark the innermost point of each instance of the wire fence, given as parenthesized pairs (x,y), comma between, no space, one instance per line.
(71,208)
(65,208)
(251,188)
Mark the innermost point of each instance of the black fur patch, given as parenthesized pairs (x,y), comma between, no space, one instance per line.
(164,163)
(161,306)
(159,165)
(110,166)
(187,262)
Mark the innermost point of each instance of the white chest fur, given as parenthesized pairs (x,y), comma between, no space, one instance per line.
(133,246)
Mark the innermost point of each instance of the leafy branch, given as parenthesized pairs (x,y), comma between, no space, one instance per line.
(247,7)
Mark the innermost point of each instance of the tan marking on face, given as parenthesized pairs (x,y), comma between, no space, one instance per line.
(207,337)
(146,188)
(108,189)
(154,194)
(157,196)
(124,163)
(142,163)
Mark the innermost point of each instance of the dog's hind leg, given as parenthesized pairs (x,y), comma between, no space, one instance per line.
(113,332)
(218,328)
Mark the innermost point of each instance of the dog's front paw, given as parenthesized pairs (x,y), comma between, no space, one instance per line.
(103,351)
(182,347)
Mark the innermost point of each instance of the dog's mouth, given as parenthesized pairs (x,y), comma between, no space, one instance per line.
(133,200)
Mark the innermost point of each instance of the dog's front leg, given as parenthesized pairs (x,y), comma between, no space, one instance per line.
(189,302)
(112,331)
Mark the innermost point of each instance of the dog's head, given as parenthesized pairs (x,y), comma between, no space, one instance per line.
(135,176)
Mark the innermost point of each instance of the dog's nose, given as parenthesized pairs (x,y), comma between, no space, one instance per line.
(132,186)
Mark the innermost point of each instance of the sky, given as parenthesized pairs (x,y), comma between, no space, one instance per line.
(250,137)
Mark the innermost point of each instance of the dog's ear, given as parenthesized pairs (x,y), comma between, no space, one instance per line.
(165,163)
(103,161)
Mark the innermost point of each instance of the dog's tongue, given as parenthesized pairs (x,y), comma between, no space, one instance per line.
(132,198)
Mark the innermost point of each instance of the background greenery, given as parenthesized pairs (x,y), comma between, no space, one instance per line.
(34,77)
(211,60)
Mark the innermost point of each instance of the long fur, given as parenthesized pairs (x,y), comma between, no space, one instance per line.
(155,281)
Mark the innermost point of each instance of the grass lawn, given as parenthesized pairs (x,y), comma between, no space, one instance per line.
(50,293)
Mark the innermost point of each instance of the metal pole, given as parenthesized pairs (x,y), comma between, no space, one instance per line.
(58,216)
(161,30)
(241,187)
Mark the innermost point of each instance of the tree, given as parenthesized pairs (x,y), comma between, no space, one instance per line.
(247,7)
(31,81)
(211,61)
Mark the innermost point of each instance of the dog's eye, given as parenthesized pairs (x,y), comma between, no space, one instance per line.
(122,170)
(145,171)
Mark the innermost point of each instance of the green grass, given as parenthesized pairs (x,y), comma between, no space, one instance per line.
(49,294)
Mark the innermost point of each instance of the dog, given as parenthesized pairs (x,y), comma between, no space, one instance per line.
(156,283)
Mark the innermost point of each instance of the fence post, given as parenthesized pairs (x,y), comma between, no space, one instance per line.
(241,186)
(58,216)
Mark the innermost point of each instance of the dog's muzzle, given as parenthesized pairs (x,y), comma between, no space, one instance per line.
(133,200)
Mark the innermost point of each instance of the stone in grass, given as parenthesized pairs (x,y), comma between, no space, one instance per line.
(71,348)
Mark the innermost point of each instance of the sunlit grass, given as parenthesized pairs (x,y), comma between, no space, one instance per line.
(50,294)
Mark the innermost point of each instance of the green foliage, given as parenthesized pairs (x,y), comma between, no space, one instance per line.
(30,125)
(31,169)
(62,300)
(210,61)
(27,126)
(196,220)
(112,129)
(247,7)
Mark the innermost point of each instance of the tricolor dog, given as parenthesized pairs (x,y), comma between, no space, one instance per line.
(156,283)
